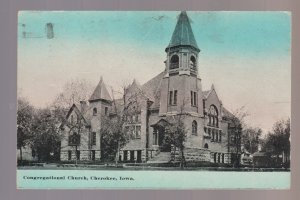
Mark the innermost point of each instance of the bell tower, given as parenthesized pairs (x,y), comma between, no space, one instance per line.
(181,86)
(182,51)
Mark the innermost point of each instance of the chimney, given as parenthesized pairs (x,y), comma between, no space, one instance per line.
(83,106)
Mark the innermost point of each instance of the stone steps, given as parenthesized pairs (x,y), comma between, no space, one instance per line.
(162,157)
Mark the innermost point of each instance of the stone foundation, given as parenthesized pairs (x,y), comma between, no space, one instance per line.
(84,155)
(132,155)
(220,157)
(191,154)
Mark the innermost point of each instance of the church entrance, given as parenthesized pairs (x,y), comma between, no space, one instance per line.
(163,145)
(159,136)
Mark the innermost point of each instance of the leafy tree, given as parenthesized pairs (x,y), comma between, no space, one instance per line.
(46,138)
(278,140)
(25,117)
(113,136)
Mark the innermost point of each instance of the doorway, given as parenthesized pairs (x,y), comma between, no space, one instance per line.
(139,156)
(131,156)
(164,147)
(93,155)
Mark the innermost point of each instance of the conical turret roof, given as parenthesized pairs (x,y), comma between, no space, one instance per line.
(183,34)
(100,92)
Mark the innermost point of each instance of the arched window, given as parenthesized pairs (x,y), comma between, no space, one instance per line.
(194,128)
(174,62)
(74,139)
(206,146)
(213,116)
(95,111)
(193,62)
(72,119)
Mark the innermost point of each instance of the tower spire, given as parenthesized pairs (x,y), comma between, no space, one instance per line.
(183,34)
(100,92)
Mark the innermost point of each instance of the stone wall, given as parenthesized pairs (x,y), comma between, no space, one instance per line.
(192,154)
(84,155)
(127,158)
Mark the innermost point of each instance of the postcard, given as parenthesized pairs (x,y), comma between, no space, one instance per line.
(153,100)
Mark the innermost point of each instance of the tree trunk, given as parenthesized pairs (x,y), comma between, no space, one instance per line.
(76,155)
(117,154)
(182,160)
(21,158)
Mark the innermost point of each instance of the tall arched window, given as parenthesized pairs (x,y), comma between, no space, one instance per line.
(74,139)
(206,146)
(174,62)
(213,116)
(95,111)
(194,127)
(193,62)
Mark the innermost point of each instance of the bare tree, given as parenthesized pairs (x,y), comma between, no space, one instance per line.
(73,92)
(235,127)
(251,138)
(113,133)
(176,133)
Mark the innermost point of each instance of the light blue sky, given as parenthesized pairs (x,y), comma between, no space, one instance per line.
(245,54)
(256,33)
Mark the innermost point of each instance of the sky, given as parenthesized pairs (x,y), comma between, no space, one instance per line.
(246,55)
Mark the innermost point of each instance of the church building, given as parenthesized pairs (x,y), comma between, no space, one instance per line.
(177,90)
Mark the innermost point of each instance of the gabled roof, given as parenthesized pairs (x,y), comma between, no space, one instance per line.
(183,34)
(100,92)
(152,88)
(227,113)
(207,93)
(78,112)
(136,89)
